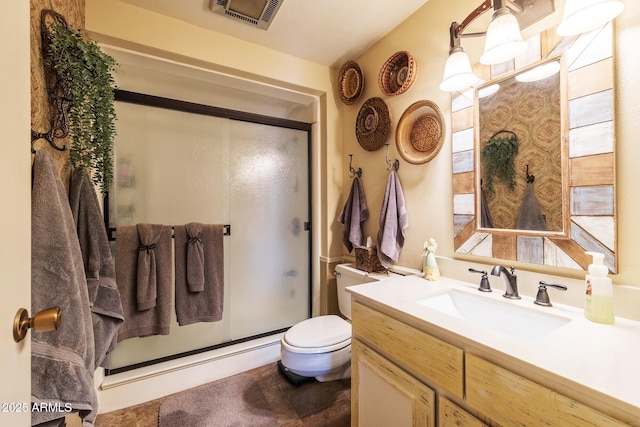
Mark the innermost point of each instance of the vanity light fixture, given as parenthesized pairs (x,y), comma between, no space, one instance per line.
(503,42)
(581,16)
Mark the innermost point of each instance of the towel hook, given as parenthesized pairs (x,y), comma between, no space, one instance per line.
(352,170)
(391,165)
(530,178)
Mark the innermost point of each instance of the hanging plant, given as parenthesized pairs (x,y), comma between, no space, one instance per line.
(499,159)
(85,74)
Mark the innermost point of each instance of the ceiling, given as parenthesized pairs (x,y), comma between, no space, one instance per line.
(327,32)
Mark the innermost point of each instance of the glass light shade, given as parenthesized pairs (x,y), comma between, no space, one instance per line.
(503,41)
(458,74)
(540,72)
(488,90)
(581,16)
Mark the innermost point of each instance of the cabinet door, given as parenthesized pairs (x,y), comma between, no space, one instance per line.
(452,415)
(384,395)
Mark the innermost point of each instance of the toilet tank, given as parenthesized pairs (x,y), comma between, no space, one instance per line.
(349,275)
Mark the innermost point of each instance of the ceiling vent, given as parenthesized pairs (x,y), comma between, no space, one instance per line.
(257,13)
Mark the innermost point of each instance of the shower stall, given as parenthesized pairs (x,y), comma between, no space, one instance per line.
(178,162)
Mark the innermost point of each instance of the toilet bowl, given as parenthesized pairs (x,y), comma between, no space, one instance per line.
(320,347)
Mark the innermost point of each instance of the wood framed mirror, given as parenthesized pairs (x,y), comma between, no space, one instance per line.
(584,176)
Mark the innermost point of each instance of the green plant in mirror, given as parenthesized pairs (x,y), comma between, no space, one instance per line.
(85,73)
(499,158)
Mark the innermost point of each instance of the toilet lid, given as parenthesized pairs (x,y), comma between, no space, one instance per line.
(319,331)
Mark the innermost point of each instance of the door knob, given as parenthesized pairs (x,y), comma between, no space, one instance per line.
(46,320)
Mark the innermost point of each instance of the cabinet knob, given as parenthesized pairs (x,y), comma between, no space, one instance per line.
(44,321)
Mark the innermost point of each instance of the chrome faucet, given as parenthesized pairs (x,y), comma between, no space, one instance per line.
(510,280)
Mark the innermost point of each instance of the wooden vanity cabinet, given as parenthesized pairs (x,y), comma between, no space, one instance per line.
(511,399)
(452,415)
(386,395)
(403,376)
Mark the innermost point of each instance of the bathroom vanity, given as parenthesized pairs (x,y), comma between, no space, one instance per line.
(444,354)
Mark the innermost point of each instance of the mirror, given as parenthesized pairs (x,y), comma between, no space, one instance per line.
(576,195)
(520,128)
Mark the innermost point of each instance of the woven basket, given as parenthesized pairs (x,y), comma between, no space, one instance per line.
(367,260)
(420,132)
(373,124)
(397,73)
(350,82)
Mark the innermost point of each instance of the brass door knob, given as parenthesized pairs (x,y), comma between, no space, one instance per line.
(46,320)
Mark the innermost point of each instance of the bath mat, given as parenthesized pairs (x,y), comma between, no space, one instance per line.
(235,401)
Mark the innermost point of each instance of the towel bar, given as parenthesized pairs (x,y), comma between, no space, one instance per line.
(111,231)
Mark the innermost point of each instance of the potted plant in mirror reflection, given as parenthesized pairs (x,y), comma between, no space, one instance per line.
(85,75)
(499,159)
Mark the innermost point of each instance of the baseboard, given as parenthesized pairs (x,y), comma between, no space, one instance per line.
(142,385)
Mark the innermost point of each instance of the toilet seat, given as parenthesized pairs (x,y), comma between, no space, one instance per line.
(322,334)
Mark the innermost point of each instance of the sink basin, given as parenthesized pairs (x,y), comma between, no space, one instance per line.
(501,316)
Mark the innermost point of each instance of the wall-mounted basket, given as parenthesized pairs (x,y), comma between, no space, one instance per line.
(420,132)
(397,73)
(350,82)
(373,124)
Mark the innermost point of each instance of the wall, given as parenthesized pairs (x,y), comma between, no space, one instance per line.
(120,24)
(427,187)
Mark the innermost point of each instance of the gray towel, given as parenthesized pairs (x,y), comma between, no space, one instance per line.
(393,221)
(195,257)
(354,213)
(147,276)
(62,361)
(104,297)
(205,305)
(485,215)
(152,321)
(530,216)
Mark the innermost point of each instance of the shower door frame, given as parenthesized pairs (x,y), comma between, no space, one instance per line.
(224,113)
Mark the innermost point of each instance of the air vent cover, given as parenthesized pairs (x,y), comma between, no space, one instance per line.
(257,13)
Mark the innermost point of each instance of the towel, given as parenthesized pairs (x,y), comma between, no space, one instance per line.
(485,215)
(354,213)
(195,257)
(204,305)
(62,361)
(393,221)
(530,216)
(104,296)
(157,319)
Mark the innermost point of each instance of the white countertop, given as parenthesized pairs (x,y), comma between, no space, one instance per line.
(597,361)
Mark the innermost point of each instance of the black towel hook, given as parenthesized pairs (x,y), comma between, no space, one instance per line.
(530,178)
(352,170)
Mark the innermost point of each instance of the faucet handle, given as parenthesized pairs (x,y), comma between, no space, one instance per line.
(543,297)
(484,281)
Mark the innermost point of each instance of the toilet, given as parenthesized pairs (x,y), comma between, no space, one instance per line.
(320,347)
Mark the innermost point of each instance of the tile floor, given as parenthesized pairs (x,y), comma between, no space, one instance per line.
(311,404)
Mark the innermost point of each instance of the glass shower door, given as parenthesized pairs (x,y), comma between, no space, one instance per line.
(269,248)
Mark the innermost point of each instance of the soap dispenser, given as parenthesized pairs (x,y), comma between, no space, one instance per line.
(598,304)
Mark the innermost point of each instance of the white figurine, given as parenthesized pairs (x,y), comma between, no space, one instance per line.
(431,271)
